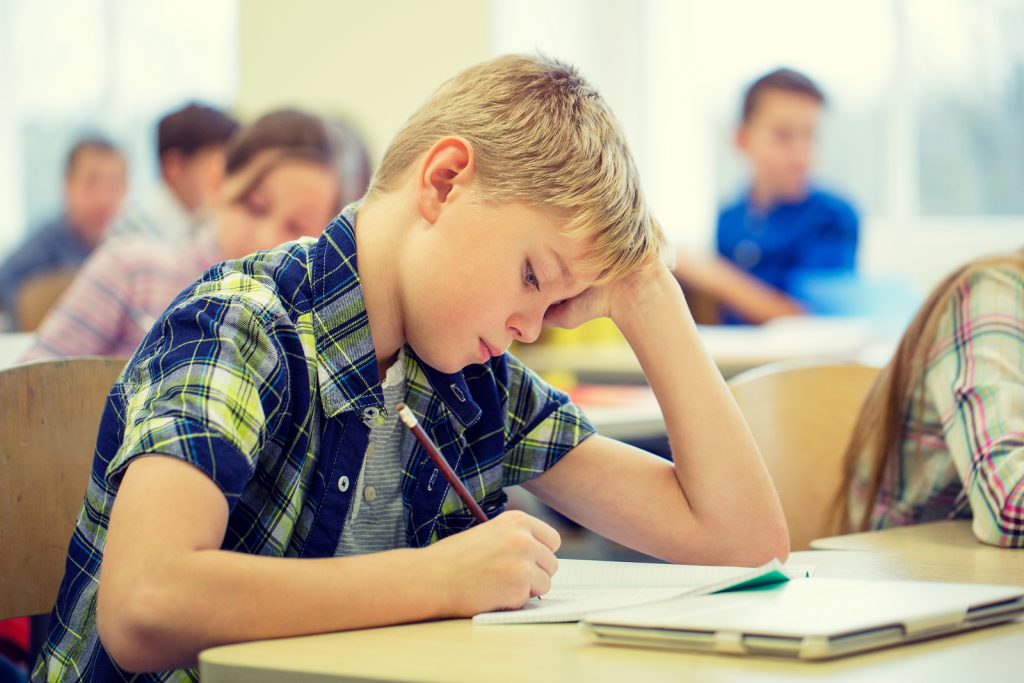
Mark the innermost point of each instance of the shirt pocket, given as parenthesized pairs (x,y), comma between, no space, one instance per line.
(450,524)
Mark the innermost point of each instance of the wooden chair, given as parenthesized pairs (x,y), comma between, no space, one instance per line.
(37,296)
(49,417)
(802,416)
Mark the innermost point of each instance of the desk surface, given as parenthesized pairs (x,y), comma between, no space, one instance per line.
(621,412)
(457,651)
(938,547)
(733,348)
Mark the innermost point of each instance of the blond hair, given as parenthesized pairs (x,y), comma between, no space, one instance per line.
(544,137)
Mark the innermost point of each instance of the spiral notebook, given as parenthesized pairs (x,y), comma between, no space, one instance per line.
(583,587)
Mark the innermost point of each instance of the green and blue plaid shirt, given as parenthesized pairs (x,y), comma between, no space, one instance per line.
(263,375)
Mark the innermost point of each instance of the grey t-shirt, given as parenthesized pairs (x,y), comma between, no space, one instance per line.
(376,518)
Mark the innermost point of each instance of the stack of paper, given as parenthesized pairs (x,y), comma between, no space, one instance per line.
(581,587)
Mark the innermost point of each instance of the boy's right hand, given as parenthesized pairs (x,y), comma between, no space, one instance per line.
(497,565)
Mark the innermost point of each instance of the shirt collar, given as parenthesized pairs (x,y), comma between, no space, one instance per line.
(346,360)
(779,204)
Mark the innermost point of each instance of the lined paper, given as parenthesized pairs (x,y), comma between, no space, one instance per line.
(584,586)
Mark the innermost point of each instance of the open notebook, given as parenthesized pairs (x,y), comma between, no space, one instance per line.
(586,586)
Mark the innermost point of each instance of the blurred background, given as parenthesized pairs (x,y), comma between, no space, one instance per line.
(924,131)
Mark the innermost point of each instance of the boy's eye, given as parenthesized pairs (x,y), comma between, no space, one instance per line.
(255,205)
(530,278)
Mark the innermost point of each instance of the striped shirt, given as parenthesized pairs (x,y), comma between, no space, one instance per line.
(119,293)
(375,519)
(263,375)
(963,450)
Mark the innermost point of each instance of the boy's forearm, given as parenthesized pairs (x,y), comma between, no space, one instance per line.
(716,460)
(214,597)
(727,284)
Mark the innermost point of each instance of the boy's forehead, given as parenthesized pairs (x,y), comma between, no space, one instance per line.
(777,103)
(92,160)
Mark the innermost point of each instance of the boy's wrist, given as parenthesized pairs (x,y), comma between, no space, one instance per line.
(431,571)
(635,299)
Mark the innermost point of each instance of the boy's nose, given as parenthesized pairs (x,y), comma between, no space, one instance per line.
(527,328)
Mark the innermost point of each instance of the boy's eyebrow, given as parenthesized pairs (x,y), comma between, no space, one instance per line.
(562,264)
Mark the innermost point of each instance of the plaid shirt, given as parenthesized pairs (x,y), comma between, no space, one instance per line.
(263,375)
(962,454)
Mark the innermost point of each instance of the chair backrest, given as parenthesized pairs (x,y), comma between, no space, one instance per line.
(802,417)
(37,296)
(49,418)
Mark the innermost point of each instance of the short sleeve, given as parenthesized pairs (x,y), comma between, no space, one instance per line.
(207,387)
(542,426)
(977,385)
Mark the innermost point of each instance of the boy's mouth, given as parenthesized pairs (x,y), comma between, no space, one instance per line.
(487,351)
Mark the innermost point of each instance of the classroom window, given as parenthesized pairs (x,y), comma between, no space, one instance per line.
(923,130)
(111,66)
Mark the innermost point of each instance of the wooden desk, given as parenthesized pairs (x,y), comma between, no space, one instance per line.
(621,412)
(13,346)
(733,348)
(457,651)
(938,547)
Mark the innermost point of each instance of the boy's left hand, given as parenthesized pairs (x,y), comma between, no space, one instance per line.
(610,300)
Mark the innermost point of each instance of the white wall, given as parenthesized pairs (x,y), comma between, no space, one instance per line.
(371,62)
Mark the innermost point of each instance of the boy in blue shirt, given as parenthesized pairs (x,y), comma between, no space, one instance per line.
(251,479)
(784,229)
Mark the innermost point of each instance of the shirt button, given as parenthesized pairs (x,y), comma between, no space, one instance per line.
(343,484)
(370,493)
(374,416)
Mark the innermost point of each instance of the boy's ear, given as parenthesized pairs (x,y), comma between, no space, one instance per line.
(171,165)
(447,168)
(740,138)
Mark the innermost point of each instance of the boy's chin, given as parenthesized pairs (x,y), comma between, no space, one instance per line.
(442,360)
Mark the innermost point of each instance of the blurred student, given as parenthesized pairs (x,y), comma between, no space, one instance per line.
(95,182)
(191,144)
(282,183)
(941,433)
(783,231)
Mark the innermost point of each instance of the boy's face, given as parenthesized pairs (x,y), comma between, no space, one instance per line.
(294,199)
(93,191)
(481,276)
(779,139)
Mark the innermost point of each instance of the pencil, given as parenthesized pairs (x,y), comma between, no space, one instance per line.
(406,414)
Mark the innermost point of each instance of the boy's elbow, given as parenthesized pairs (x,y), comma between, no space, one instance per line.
(129,626)
(765,546)
(781,545)
(732,547)
(1005,530)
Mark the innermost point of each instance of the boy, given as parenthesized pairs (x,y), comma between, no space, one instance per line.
(252,432)
(94,185)
(784,229)
(191,145)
